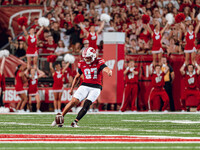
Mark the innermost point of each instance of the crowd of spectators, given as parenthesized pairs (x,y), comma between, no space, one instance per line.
(64,34)
(126,17)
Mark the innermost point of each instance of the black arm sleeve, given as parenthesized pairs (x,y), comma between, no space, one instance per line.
(79,71)
(103,66)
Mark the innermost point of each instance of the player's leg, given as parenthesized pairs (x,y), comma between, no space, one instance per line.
(165,99)
(187,58)
(193,57)
(78,96)
(151,97)
(182,100)
(28,62)
(24,100)
(126,95)
(159,58)
(19,103)
(55,102)
(154,58)
(35,59)
(134,97)
(59,101)
(92,96)
(29,104)
(196,93)
(37,98)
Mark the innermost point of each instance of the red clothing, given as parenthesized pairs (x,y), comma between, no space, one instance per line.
(158,80)
(19,2)
(18,82)
(92,72)
(156,41)
(145,37)
(1,78)
(130,77)
(190,41)
(191,81)
(58,80)
(93,40)
(33,1)
(130,97)
(32,43)
(67,74)
(49,48)
(162,94)
(33,86)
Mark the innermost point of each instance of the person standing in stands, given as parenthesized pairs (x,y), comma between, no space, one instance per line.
(131,87)
(168,78)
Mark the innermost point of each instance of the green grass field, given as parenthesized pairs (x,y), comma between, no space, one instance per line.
(148,125)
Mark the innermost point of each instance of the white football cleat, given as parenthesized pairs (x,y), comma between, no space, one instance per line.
(53,124)
(74,124)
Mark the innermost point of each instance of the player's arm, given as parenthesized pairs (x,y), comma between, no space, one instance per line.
(182,69)
(172,76)
(66,66)
(41,73)
(84,30)
(2,65)
(183,28)
(135,72)
(51,67)
(150,70)
(198,69)
(166,69)
(75,82)
(108,71)
(101,27)
(149,29)
(126,71)
(197,28)
(163,30)
(25,32)
(39,32)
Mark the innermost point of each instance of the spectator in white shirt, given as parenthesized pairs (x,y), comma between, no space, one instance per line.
(61,49)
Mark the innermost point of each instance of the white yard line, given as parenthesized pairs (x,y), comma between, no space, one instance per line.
(169,121)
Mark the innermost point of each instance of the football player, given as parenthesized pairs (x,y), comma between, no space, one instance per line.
(91,67)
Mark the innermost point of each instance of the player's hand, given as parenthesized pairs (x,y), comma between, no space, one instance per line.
(71,92)
(110,73)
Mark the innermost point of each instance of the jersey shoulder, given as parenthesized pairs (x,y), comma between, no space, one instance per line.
(100,61)
(80,63)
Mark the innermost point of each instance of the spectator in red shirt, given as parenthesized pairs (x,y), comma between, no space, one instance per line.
(50,46)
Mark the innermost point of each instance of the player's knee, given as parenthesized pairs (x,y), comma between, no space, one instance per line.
(74,101)
(87,104)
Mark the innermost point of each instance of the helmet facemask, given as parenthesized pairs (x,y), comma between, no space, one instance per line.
(89,53)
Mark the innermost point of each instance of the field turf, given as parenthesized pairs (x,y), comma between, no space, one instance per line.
(101,131)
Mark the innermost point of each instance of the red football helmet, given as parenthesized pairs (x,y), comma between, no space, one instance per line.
(89,53)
